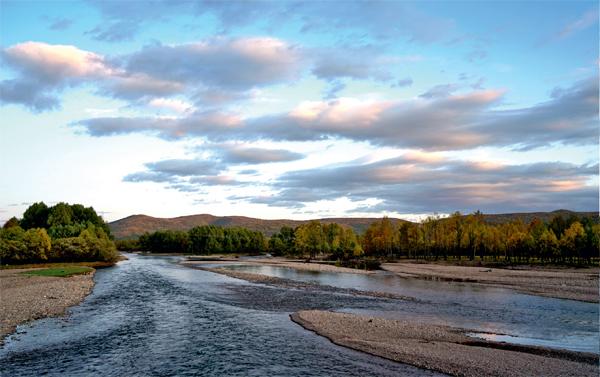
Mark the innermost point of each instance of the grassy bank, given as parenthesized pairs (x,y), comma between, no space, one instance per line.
(60,271)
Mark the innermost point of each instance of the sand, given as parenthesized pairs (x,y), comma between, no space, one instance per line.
(443,349)
(26,298)
(568,283)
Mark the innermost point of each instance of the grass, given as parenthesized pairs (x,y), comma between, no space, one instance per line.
(96,264)
(60,271)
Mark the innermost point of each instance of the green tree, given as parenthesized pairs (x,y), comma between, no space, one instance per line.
(61,214)
(35,216)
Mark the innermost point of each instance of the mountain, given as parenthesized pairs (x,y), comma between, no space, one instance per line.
(133,226)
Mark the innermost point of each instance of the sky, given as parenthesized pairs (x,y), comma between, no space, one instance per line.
(299,109)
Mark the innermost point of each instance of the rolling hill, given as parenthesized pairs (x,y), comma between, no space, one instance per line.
(133,226)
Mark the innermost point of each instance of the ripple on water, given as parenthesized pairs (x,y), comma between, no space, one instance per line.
(150,317)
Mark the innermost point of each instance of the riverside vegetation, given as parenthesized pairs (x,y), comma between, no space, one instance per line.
(61,233)
(574,240)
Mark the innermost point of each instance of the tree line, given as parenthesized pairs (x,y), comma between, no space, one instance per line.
(208,239)
(61,233)
(574,240)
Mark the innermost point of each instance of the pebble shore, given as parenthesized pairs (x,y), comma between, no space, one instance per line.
(26,298)
(443,349)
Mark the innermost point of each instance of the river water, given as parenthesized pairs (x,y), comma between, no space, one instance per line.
(151,316)
(503,314)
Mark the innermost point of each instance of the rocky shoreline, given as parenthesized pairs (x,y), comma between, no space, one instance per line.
(26,298)
(443,349)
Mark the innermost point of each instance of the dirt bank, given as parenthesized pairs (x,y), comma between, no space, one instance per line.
(26,298)
(443,349)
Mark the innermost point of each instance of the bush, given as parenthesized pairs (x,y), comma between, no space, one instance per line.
(19,246)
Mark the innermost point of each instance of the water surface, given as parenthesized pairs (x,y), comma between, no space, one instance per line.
(510,316)
(149,316)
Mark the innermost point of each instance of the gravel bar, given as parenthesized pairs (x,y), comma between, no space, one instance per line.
(443,349)
(26,298)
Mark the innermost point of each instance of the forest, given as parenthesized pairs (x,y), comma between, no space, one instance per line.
(572,240)
(61,233)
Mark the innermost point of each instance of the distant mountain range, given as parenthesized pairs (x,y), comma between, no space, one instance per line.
(133,226)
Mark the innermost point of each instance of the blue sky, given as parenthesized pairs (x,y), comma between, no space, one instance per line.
(299,109)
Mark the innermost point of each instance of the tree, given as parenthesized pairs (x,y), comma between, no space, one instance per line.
(573,240)
(309,239)
(35,216)
(12,222)
(38,244)
(283,242)
(60,214)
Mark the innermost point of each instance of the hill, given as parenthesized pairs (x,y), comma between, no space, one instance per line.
(133,226)
(527,217)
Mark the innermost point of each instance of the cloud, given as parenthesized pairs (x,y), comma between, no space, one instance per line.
(182,174)
(238,154)
(381,21)
(401,83)
(335,86)
(441,91)
(350,62)
(53,64)
(43,70)
(425,183)
(176,105)
(184,167)
(138,85)
(220,67)
(28,94)
(436,121)
(61,24)
(123,20)
(212,125)
(586,20)
(217,180)
(570,117)
(188,174)
(234,64)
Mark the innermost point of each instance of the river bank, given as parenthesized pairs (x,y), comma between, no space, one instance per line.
(443,349)
(26,298)
(567,283)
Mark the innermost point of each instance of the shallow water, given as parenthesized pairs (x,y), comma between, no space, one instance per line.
(515,317)
(149,316)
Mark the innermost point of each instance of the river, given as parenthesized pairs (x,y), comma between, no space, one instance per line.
(503,314)
(150,316)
